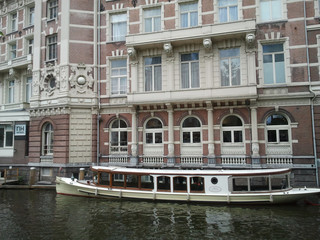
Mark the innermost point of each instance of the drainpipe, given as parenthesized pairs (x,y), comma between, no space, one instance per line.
(314,94)
(98,78)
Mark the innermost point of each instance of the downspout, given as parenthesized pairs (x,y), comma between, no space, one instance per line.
(314,94)
(98,79)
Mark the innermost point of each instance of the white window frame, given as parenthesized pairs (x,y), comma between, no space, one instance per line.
(11,91)
(153,132)
(192,83)
(191,131)
(30,11)
(118,148)
(28,88)
(12,50)
(271,18)
(317,8)
(230,69)
(154,75)
(114,24)
(232,130)
(52,9)
(153,18)
(47,139)
(228,7)
(52,47)
(7,128)
(278,128)
(13,21)
(189,14)
(118,78)
(29,43)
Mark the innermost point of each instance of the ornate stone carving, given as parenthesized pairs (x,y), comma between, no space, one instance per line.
(81,79)
(207,44)
(167,47)
(250,40)
(49,80)
(132,53)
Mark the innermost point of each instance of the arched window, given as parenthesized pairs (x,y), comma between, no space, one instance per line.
(118,136)
(277,129)
(47,139)
(232,130)
(153,131)
(191,130)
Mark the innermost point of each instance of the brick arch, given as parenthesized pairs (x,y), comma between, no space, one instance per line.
(149,116)
(186,114)
(108,123)
(280,111)
(44,121)
(235,112)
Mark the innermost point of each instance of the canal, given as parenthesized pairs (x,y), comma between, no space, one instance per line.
(41,214)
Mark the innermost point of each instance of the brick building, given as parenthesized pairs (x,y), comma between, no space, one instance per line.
(151,83)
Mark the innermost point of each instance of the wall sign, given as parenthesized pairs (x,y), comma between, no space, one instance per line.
(20,130)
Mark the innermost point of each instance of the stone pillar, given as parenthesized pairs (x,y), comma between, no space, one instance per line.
(134,76)
(171,158)
(134,145)
(211,156)
(32,176)
(254,136)
(81,174)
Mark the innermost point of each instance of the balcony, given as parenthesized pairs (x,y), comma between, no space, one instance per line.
(19,62)
(216,31)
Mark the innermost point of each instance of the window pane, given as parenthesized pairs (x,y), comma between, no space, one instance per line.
(148,78)
(233,13)
(270,48)
(195,75)
(123,139)
(114,138)
(196,137)
(272,136)
(226,136)
(232,121)
(268,70)
(283,136)
(149,138)
(277,119)
(224,70)
(1,137)
(158,138)
(191,122)
(235,71)
(153,123)
(237,136)
(185,75)
(186,137)
(223,17)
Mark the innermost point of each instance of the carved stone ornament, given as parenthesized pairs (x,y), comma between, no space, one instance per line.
(207,43)
(132,53)
(50,80)
(250,40)
(81,79)
(167,47)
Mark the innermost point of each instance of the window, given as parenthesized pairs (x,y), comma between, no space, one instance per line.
(12,50)
(277,129)
(118,136)
(29,46)
(270,10)
(52,47)
(30,20)
(119,27)
(152,74)
(153,131)
(230,67)
(6,135)
(190,70)
(11,91)
(118,77)
(273,64)
(232,130)
(28,89)
(228,10)
(152,20)
(52,9)
(191,130)
(47,139)
(188,15)
(14,21)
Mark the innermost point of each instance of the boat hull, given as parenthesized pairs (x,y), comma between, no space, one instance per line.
(66,186)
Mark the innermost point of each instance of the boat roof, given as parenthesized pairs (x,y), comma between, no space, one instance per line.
(197,172)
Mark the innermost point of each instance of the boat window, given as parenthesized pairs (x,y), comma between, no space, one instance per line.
(132,181)
(279,182)
(180,184)
(259,184)
(118,180)
(104,178)
(197,184)
(163,183)
(214,180)
(240,184)
(147,182)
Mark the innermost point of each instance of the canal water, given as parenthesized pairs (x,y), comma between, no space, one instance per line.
(41,214)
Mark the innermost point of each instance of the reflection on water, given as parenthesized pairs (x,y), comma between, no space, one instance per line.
(42,214)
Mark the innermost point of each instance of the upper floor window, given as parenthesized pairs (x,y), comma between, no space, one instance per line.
(30,20)
(277,129)
(270,10)
(118,136)
(12,50)
(119,27)
(30,46)
(28,89)
(6,135)
(152,20)
(273,64)
(52,9)
(191,130)
(14,22)
(152,73)
(153,131)
(47,139)
(190,70)
(230,66)
(232,130)
(11,91)
(52,47)
(188,15)
(228,10)
(118,76)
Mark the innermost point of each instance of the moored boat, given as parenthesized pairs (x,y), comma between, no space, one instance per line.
(267,186)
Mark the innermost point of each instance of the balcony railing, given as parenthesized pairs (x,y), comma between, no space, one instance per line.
(16,62)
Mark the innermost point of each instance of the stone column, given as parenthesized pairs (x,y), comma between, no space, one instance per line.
(81,174)
(171,158)
(211,156)
(134,145)
(254,136)
(32,176)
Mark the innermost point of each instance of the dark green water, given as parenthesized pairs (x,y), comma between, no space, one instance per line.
(39,214)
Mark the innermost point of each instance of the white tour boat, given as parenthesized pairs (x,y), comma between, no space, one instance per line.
(227,186)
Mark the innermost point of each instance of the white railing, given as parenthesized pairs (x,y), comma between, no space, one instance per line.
(234,160)
(153,160)
(118,159)
(191,160)
(279,160)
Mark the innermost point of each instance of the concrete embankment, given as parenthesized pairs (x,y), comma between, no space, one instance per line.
(46,187)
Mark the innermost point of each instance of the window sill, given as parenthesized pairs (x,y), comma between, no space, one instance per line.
(272,22)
